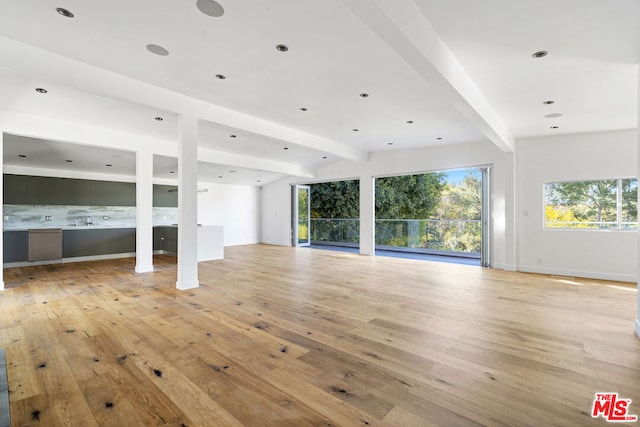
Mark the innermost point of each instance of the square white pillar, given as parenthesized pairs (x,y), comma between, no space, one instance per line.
(637,324)
(188,203)
(2,207)
(144,211)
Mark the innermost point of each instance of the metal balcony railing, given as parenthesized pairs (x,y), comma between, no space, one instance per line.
(454,236)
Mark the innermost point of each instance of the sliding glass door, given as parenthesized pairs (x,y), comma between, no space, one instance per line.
(485,251)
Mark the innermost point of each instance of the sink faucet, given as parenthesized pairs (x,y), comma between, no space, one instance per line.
(89,221)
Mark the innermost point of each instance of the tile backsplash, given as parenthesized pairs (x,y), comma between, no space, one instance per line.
(23,217)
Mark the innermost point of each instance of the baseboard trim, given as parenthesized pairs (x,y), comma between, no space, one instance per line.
(70,260)
(599,275)
(184,286)
(163,252)
(505,267)
(99,257)
(144,268)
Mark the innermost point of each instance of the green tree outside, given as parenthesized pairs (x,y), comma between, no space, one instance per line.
(421,211)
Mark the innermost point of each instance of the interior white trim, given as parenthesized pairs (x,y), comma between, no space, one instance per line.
(578,273)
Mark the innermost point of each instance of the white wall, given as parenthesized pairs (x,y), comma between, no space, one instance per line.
(519,238)
(605,254)
(276,201)
(276,213)
(235,207)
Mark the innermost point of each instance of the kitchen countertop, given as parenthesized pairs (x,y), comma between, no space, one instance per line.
(95,227)
(83,227)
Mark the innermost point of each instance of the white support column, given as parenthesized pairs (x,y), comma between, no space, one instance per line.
(367,216)
(638,169)
(510,213)
(1,206)
(144,211)
(188,203)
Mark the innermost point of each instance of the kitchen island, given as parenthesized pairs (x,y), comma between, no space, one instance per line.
(210,241)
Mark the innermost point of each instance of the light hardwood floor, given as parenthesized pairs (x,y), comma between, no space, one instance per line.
(280,336)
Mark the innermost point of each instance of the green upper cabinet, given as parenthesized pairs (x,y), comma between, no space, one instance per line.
(31,190)
(38,190)
(109,193)
(165,196)
(75,192)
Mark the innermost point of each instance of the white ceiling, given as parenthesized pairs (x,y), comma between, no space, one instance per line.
(460,70)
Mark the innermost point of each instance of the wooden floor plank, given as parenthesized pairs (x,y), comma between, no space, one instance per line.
(279,336)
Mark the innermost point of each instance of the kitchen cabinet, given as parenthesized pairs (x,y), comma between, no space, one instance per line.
(15,246)
(103,241)
(165,196)
(38,190)
(165,238)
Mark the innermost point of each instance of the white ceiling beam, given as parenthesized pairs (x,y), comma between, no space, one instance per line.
(240,160)
(75,133)
(81,76)
(402,25)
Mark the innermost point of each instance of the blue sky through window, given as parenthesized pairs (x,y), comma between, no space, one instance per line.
(455,177)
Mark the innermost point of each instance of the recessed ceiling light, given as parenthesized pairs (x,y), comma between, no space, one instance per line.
(108,165)
(553,115)
(220,76)
(64,12)
(303,109)
(409,121)
(549,102)
(540,54)
(389,143)
(285,148)
(69,161)
(233,136)
(158,50)
(355,130)
(233,171)
(220,176)
(172,171)
(210,8)
(282,48)
(258,181)
(159,119)
(324,157)
(41,90)
(439,138)
(22,155)
(364,95)
(554,127)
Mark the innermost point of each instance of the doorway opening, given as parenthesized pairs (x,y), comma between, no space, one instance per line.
(301,215)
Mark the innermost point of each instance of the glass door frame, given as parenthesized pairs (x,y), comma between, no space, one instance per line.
(295,216)
(485,251)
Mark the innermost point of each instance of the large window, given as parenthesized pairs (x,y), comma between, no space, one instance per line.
(610,204)
(335,213)
(438,211)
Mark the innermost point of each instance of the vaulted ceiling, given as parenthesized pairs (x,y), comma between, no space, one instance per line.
(356,76)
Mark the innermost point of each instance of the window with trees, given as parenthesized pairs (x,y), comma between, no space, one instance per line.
(609,204)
